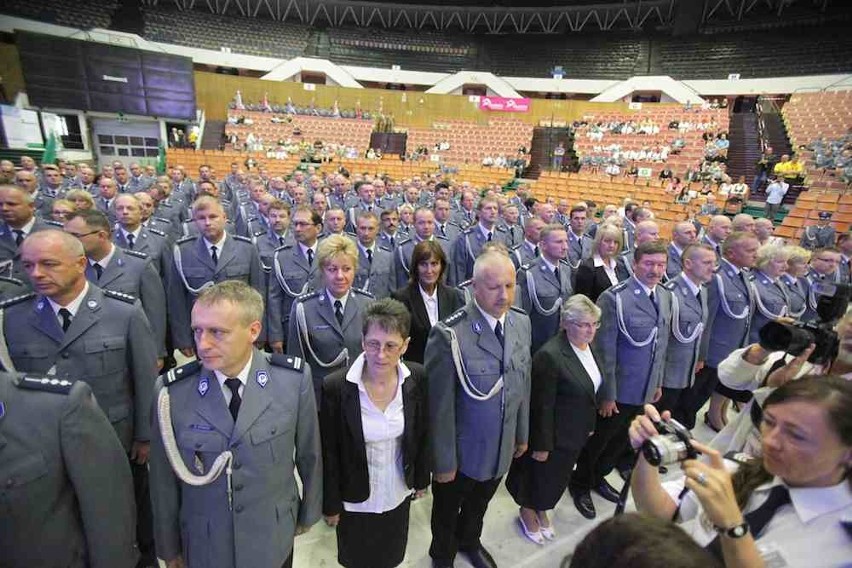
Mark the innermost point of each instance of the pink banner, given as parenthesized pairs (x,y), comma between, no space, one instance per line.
(503,104)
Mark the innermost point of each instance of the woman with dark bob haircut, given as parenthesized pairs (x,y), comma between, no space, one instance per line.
(426,296)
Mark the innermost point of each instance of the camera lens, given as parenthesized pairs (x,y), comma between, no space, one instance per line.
(664,450)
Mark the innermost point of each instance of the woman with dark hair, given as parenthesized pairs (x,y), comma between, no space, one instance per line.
(787,507)
(375,445)
(426,296)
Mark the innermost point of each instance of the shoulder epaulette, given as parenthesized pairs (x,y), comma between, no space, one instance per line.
(11,280)
(242,238)
(352,235)
(455,317)
(259,233)
(670,285)
(119,296)
(284,246)
(440,237)
(564,261)
(384,247)
(157,232)
(44,383)
(516,247)
(186,239)
(620,286)
(182,372)
(164,204)
(362,292)
(162,219)
(403,242)
(469,230)
(518,310)
(17,300)
(308,296)
(500,228)
(466,283)
(136,253)
(526,266)
(453,223)
(52,223)
(286,361)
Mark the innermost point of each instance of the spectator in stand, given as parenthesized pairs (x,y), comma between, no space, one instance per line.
(613,170)
(665,174)
(764,167)
(775,193)
(784,167)
(675,186)
(737,196)
(558,157)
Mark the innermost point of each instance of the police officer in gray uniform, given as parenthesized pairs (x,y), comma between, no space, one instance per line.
(129,234)
(19,220)
(819,236)
(295,272)
(823,267)
(730,307)
(67,490)
(580,244)
(689,318)
(646,232)
(325,327)
(631,345)
(74,330)
(228,432)
(683,235)
(202,261)
(112,268)
(375,273)
(478,361)
(545,284)
(771,301)
(424,229)
(469,244)
(278,233)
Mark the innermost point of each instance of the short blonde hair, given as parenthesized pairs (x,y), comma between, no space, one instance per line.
(796,253)
(81,194)
(247,301)
(607,230)
(578,306)
(336,245)
(768,253)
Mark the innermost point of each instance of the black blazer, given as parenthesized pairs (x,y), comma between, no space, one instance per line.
(449,300)
(563,403)
(344,454)
(592,280)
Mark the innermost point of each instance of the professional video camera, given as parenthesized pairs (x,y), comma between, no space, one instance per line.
(672,445)
(795,338)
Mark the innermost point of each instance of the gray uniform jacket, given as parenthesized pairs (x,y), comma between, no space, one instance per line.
(276,432)
(154,243)
(815,237)
(11,287)
(477,437)
(238,260)
(67,492)
(402,256)
(294,277)
(133,273)
(770,301)
(579,249)
(326,338)
(673,264)
(353,212)
(109,344)
(798,290)
(685,340)
(376,277)
(523,254)
(464,219)
(631,343)
(267,242)
(465,250)
(545,296)
(730,305)
(10,258)
(449,230)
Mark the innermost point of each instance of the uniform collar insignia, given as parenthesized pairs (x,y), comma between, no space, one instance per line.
(92,304)
(2,409)
(477,327)
(262,378)
(203,386)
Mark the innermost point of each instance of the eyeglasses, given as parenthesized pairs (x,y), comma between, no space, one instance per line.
(81,235)
(586,325)
(373,346)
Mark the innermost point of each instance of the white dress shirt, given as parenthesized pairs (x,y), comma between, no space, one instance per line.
(587,359)
(218,245)
(431,303)
(72,306)
(609,268)
(242,376)
(383,440)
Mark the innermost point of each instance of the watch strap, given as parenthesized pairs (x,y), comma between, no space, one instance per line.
(736,531)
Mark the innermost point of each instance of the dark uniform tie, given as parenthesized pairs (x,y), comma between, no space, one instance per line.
(759,518)
(653,299)
(310,257)
(214,255)
(393,243)
(280,241)
(556,274)
(489,237)
(443,230)
(65,314)
(130,239)
(536,251)
(369,256)
(498,331)
(338,311)
(19,237)
(234,406)
(99,270)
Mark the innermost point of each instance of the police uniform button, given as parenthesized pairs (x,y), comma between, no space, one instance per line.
(239,509)
(238,487)
(65,354)
(273,430)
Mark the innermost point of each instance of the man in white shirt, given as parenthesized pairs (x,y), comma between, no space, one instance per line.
(775,193)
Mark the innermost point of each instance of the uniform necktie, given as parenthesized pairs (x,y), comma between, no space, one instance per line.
(556,274)
(443,230)
(65,314)
(99,270)
(369,256)
(338,311)
(393,244)
(130,239)
(214,255)
(310,257)
(280,241)
(498,331)
(489,236)
(653,298)
(536,251)
(19,237)
(234,406)
(759,518)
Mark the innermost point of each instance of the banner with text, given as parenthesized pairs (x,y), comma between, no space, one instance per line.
(504,104)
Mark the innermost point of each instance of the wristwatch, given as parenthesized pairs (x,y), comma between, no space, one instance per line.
(736,531)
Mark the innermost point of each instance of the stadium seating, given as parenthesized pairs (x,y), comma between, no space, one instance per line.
(346,131)
(83,14)
(381,48)
(471,142)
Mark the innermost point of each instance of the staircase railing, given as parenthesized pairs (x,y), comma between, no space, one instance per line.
(202,122)
(761,126)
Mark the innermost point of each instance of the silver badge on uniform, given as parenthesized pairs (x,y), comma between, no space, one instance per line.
(203,385)
(92,304)
(636,292)
(41,305)
(120,262)
(262,378)
(477,327)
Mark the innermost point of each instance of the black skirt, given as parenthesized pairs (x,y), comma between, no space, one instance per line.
(539,485)
(373,540)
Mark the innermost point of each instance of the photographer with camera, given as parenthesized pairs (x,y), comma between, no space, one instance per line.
(775,510)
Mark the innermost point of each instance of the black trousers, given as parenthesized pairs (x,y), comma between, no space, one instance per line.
(694,397)
(144,515)
(604,449)
(670,401)
(458,510)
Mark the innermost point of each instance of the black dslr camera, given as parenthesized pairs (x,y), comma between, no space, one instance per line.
(672,445)
(795,338)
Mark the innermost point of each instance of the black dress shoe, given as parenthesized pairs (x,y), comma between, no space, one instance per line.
(607,491)
(479,558)
(583,502)
(442,563)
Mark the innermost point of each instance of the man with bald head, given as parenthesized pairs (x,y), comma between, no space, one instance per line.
(683,235)
(478,422)
(764,230)
(646,232)
(71,328)
(742,222)
(17,209)
(718,230)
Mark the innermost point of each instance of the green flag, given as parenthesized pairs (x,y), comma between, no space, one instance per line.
(161,159)
(49,156)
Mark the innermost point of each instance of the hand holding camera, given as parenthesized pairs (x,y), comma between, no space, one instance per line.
(712,485)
